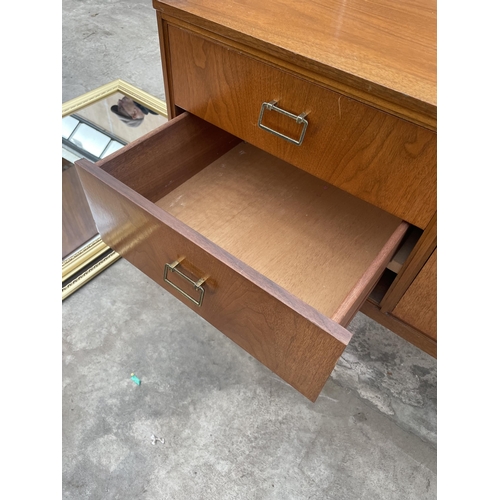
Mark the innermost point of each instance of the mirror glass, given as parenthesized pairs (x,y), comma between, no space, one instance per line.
(101,128)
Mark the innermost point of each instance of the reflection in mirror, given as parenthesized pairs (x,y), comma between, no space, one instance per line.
(104,126)
(68,126)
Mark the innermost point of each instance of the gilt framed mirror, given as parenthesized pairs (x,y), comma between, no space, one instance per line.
(94,126)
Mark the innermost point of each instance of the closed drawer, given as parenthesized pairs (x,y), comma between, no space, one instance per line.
(384,160)
(273,257)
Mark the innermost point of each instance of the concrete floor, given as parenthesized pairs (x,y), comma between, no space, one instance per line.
(231,428)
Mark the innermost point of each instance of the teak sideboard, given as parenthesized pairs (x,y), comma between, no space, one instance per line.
(295,183)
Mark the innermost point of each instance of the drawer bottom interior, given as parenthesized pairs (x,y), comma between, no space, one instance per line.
(307,236)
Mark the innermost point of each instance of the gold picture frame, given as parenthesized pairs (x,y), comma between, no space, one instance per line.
(94,256)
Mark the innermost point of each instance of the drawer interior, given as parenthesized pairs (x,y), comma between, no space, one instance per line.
(311,238)
(307,236)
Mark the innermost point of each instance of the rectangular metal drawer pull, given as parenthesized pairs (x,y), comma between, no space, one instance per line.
(271,106)
(196,284)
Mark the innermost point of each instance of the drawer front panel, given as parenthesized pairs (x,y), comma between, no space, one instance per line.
(375,156)
(292,339)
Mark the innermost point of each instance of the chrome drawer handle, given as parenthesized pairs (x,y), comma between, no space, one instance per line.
(271,106)
(196,284)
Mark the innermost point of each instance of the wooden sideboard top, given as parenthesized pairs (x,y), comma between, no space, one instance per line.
(380,51)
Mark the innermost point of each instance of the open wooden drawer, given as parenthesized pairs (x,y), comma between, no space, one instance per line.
(275,258)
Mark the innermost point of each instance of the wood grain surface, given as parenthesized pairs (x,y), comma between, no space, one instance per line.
(357,295)
(404,330)
(165,62)
(418,306)
(166,157)
(288,336)
(78,226)
(384,49)
(377,157)
(424,247)
(312,239)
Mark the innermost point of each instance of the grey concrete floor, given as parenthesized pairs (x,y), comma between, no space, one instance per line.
(231,428)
